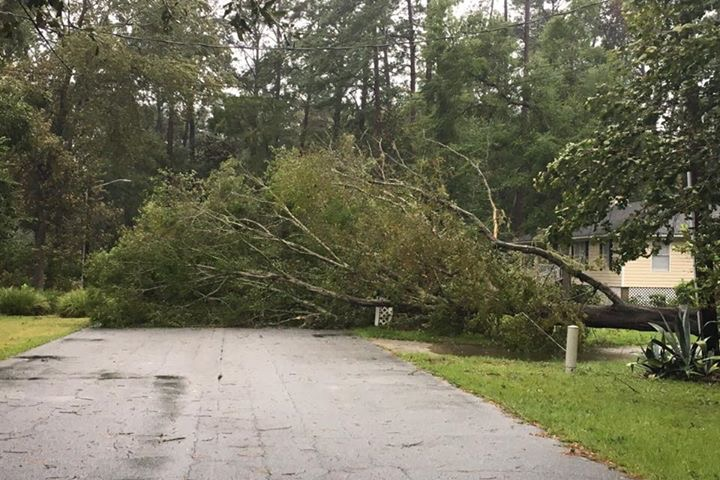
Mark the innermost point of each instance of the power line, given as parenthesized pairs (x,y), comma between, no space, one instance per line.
(39,31)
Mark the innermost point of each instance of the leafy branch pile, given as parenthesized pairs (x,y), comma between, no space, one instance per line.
(321,236)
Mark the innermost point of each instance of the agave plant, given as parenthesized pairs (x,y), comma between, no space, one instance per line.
(676,355)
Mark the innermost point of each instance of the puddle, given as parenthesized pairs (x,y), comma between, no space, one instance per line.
(171,388)
(41,358)
(117,376)
(168,377)
(22,379)
(331,334)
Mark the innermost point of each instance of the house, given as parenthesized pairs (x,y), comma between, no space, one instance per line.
(646,280)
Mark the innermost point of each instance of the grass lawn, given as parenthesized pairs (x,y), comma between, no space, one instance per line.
(662,430)
(612,337)
(419,336)
(18,334)
(596,337)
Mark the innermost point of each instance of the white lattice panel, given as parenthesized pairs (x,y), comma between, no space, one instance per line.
(383,316)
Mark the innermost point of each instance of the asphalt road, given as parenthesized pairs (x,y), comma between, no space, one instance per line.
(246,404)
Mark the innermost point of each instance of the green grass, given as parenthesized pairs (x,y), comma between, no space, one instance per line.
(596,337)
(661,430)
(611,337)
(419,336)
(18,334)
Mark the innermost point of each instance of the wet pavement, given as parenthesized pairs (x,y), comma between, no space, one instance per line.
(223,404)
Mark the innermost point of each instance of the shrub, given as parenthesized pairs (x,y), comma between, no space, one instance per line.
(687,294)
(658,300)
(519,334)
(23,301)
(585,294)
(73,304)
(676,355)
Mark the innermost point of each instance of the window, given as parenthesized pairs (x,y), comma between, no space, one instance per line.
(661,260)
(581,251)
(606,254)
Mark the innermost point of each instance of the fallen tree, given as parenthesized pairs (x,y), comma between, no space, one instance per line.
(619,314)
(325,236)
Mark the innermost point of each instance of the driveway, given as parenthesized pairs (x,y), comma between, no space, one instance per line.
(223,404)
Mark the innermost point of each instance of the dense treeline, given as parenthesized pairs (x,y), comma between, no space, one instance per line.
(111,93)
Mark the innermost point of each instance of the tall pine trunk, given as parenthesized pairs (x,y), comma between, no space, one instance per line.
(377,104)
(170,135)
(413,53)
(305,122)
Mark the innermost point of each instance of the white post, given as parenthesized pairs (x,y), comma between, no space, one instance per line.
(573,333)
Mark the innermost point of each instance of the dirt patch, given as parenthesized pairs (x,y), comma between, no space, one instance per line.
(459,349)
(402,346)
(468,350)
(611,353)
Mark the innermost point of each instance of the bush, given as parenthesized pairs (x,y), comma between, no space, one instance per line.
(73,304)
(676,355)
(519,334)
(23,301)
(585,294)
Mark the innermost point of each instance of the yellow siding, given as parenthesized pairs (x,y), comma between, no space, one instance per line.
(598,269)
(639,273)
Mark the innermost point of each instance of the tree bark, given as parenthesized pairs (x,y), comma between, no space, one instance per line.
(386,67)
(170,135)
(191,131)
(708,313)
(277,90)
(337,110)
(526,55)
(413,56)
(158,115)
(305,122)
(377,114)
(362,115)
(631,317)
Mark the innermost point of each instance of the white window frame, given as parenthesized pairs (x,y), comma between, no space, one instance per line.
(664,255)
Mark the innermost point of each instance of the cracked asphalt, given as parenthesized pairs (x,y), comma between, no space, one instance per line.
(223,404)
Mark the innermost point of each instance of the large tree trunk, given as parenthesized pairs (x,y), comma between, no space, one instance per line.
(337,110)
(377,114)
(526,55)
(708,313)
(170,135)
(191,132)
(305,122)
(631,317)
(413,54)
(158,115)
(364,90)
